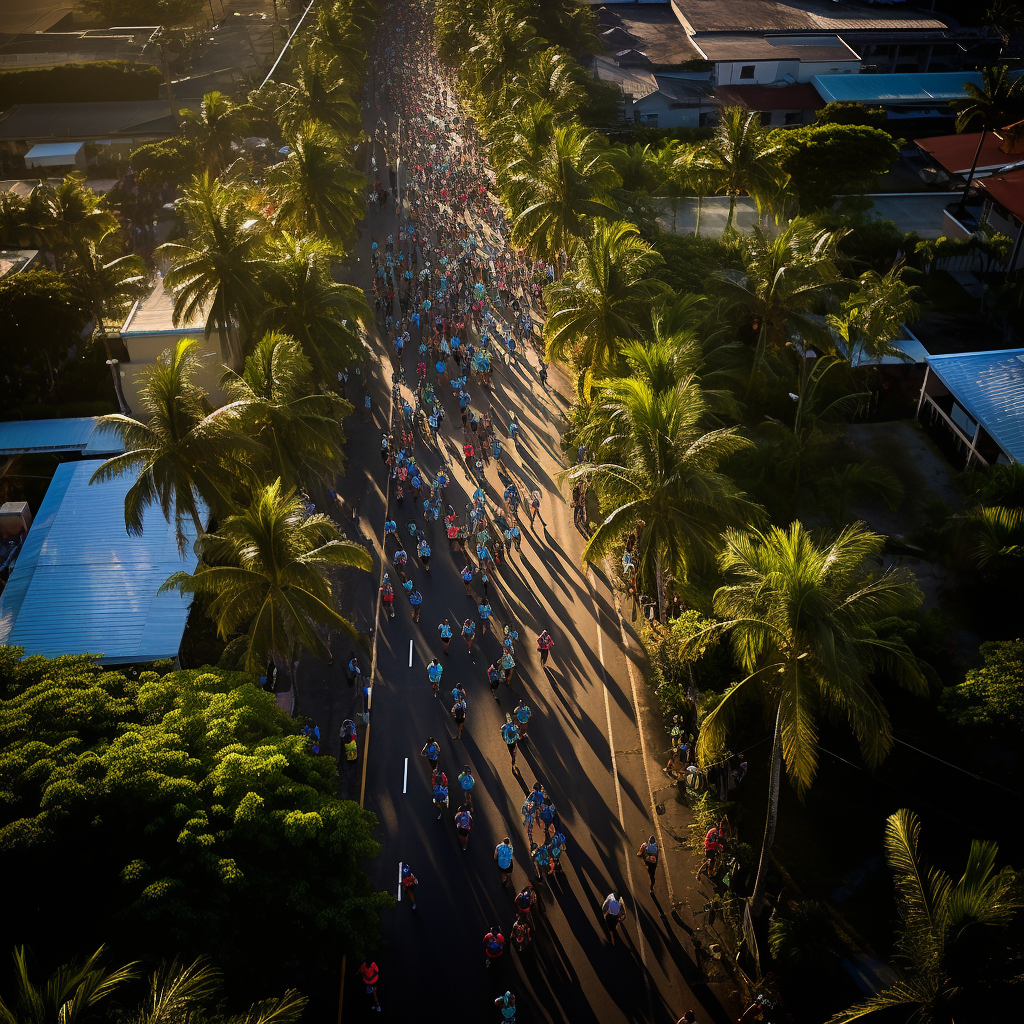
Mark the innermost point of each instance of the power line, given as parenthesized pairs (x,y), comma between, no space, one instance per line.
(949,764)
(288,42)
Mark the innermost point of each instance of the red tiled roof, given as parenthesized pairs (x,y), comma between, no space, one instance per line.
(955,153)
(798,96)
(1007,190)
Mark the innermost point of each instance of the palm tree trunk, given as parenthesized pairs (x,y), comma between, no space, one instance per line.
(962,205)
(757,898)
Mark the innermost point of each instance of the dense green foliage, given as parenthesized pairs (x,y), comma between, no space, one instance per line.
(181,814)
(144,12)
(99,82)
(991,698)
(853,113)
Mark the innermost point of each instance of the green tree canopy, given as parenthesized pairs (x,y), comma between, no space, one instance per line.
(991,697)
(825,159)
(852,113)
(176,815)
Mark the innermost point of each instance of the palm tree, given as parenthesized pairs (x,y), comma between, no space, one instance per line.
(787,275)
(951,938)
(555,195)
(298,430)
(522,135)
(64,215)
(741,157)
(605,298)
(304,302)
(994,104)
(503,43)
(325,93)
(872,317)
(216,270)
(266,572)
(638,167)
(553,76)
(317,190)
(342,28)
(996,537)
(108,280)
(184,455)
(68,996)
(213,127)
(658,475)
(800,617)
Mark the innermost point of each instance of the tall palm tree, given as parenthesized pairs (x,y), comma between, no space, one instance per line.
(302,300)
(997,102)
(739,158)
(62,216)
(217,269)
(108,278)
(552,76)
(554,196)
(657,475)
(266,572)
(605,298)
(638,167)
(185,456)
(503,43)
(69,995)
(786,276)
(213,127)
(951,938)
(325,93)
(298,430)
(800,616)
(522,135)
(343,28)
(317,190)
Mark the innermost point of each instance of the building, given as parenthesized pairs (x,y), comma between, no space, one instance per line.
(901,95)
(786,103)
(74,437)
(750,59)
(83,584)
(14,261)
(38,49)
(651,28)
(974,401)
(656,100)
(67,156)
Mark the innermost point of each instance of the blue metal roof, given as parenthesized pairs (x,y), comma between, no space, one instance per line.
(74,434)
(990,386)
(82,585)
(937,88)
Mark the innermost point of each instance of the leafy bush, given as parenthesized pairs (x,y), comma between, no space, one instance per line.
(144,12)
(997,246)
(870,243)
(99,82)
(803,939)
(171,160)
(991,697)
(675,674)
(853,113)
(692,260)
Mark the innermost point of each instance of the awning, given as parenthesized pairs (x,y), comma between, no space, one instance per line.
(53,154)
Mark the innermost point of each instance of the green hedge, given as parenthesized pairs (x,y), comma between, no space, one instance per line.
(102,81)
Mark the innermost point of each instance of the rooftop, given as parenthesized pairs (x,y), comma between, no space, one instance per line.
(41,122)
(797,96)
(635,82)
(154,314)
(1007,190)
(13,261)
(789,16)
(935,89)
(83,585)
(990,386)
(657,32)
(76,434)
(955,153)
(728,46)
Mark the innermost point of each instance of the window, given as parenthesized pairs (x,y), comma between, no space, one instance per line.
(794,117)
(747,71)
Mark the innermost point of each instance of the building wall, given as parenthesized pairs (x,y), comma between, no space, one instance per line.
(768,71)
(146,349)
(656,110)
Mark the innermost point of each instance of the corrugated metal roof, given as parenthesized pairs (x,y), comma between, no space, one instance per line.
(990,386)
(74,434)
(83,585)
(937,88)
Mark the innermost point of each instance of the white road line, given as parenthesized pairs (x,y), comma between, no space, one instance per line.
(655,817)
(399,881)
(410,654)
(405,777)
(618,789)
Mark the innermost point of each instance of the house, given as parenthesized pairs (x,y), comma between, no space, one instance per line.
(65,155)
(887,39)
(786,103)
(974,401)
(903,96)
(651,28)
(14,261)
(46,48)
(82,583)
(753,59)
(72,437)
(656,100)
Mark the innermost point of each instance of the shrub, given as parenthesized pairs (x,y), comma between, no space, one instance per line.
(991,697)
(677,674)
(99,82)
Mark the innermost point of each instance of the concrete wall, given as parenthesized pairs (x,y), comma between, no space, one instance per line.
(768,71)
(660,105)
(147,349)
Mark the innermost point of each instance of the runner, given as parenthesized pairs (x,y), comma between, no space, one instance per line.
(507,1005)
(444,630)
(494,680)
(463,824)
(459,714)
(523,715)
(388,593)
(468,632)
(409,881)
(467,578)
(467,782)
(510,735)
(494,945)
(416,600)
(614,911)
(544,645)
(503,856)
(431,751)
(370,974)
(434,672)
(649,852)
(484,611)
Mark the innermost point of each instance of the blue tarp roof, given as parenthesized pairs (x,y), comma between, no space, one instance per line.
(989,386)
(83,585)
(937,88)
(74,434)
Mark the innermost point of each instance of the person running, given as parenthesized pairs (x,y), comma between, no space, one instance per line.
(507,1005)
(431,751)
(355,672)
(484,611)
(508,667)
(510,734)
(525,901)
(444,631)
(439,792)
(494,680)
(416,600)
(544,645)
(467,578)
(434,672)
(468,633)
(503,856)
(370,974)
(463,824)
(523,715)
(387,592)
(541,857)
(423,550)
(467,782)
(614,911)
(459,714)
(494,945)
(458,692)
(546,813)
(409,881)
(649,852)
